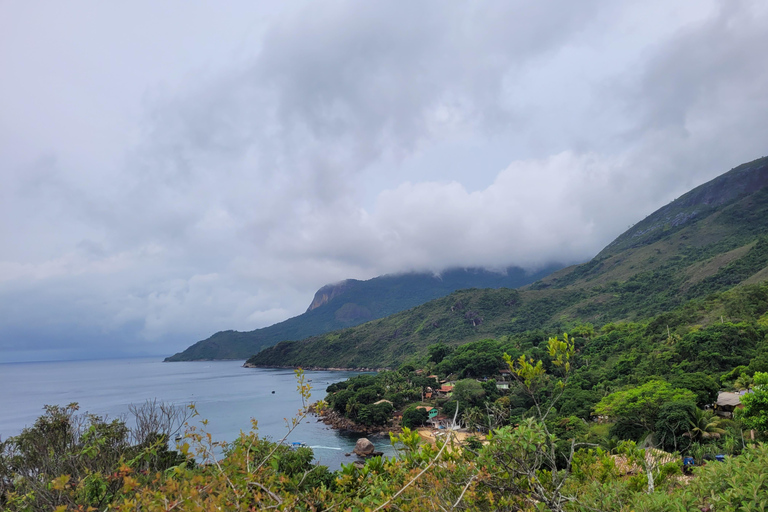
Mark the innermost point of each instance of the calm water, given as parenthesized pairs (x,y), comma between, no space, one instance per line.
(225,393)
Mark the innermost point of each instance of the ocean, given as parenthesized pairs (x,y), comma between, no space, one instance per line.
(224,393)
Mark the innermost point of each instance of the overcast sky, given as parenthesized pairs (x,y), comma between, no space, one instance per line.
(171,169)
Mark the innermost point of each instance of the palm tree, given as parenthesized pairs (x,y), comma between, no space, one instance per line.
(704,425)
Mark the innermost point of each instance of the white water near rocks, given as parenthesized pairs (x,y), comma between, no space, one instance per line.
(225,393)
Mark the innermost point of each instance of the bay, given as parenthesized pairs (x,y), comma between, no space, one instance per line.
(224,393)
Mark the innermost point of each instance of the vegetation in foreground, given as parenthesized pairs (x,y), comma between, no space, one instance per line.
(71,462)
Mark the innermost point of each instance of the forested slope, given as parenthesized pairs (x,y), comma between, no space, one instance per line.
(353,302)
(708,240)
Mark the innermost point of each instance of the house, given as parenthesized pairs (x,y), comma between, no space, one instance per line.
(431,411)
(445,390)
(440,420)
(502,385)
(726,403)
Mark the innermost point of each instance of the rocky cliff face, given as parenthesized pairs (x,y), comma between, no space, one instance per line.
(329,292)
(728,188)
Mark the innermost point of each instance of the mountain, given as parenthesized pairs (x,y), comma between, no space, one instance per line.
(353,302)
(709,240)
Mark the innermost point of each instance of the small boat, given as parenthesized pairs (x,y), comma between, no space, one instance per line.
(273,391)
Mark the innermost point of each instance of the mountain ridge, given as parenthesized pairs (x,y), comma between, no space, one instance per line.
(706,241)
(352,302)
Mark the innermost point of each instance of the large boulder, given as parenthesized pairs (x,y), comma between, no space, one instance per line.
(364,447)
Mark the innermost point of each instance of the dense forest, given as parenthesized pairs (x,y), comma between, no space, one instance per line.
(531,455)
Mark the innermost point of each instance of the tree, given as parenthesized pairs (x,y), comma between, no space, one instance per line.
(375,414)
(524,460)
(413,417)
(468,392)
(705,386)
(754,415)
(438,352)
(705,425)
(674,423)
(642,404)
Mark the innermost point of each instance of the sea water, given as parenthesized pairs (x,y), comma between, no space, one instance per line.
(224,393)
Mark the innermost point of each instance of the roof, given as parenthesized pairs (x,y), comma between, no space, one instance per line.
(445,388)
(727,399)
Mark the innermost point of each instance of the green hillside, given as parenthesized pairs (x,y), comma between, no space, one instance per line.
(709,240)
(353,302)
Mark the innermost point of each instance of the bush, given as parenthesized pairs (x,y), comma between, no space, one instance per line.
(375,414)
(413,417)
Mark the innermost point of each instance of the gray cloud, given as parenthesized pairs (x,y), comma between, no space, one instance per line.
(255,155)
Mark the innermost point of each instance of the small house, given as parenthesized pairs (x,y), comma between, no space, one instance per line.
(727,402)
(440,420)
(431,411)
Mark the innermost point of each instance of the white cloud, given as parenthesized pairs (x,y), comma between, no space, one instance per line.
(213,171)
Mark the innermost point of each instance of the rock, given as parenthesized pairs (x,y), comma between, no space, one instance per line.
(364,447)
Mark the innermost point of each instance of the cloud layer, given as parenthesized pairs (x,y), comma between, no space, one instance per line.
(172,171)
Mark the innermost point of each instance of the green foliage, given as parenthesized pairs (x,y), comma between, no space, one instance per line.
(353,303)
(72,460)
(468,392)
(414,417)
(755,412)
(704,385)
(673,425)
(642,404)
(375,414)
(705,425)
(438,352)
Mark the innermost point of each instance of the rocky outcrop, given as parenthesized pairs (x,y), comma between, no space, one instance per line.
(343,424)
(329,292)
(693,206)
(364,447)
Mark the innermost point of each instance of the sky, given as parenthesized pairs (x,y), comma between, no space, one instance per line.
(172,169)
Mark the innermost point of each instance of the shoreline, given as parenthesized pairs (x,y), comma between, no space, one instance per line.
(344,425)
(315,368)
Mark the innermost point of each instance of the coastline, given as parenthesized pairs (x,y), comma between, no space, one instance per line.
(315,368)
(428,435)
(346,426)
